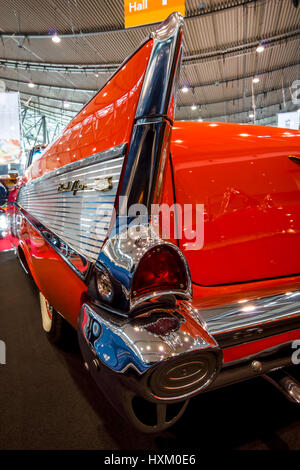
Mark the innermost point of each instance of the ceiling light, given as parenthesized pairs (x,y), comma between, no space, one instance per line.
(97,75)
(55,38)
(260,48)
(31,85)
(193,107)
(185,89)
(200,119)
(66,105)
(255,80)
(251,115)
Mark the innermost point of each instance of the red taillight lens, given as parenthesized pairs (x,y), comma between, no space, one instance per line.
(160,269)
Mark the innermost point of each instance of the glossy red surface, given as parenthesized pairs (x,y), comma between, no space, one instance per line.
(106,121)
(54,278)
(241,351)
(242,175)
(204,297)
(250,191)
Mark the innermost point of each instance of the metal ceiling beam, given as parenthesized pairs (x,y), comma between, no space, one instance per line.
(80,103)
(241,113)
(225,6)
(45,85)
(52,67)
(202,104)
(241,49)
(52,114)
(236,98)
(242,77)
(191,59)
(40,105)
(193,87)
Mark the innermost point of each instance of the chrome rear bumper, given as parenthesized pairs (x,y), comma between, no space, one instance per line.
(159,365)
(168,356)
(172,339)
(248,320)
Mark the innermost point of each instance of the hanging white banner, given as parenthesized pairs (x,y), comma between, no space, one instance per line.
(10,138)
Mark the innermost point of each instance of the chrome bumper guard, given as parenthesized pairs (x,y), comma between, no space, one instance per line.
(160,356)
(171,340)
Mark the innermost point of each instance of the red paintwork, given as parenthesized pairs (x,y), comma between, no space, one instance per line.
(250,191)
(241,174)
(235,353)
(54,278)
(106,121)
(204,297)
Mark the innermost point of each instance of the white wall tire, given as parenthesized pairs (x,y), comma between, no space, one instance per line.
(55,326)
(47,313)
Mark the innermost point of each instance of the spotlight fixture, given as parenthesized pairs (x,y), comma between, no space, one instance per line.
(184,89)
(260,48)
(55,38)
(31,85)
(193,107)
(255,79)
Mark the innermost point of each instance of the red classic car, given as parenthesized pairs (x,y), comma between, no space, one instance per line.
(172,247)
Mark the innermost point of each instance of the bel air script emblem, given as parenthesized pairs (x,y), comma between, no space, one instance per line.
(71,186)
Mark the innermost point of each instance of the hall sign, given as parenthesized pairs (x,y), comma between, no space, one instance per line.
(139,12)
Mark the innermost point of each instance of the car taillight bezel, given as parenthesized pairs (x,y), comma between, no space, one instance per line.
(181,290)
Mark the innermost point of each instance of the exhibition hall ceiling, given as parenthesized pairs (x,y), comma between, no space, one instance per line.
(219,64)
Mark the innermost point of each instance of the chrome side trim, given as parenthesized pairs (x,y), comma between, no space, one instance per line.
(79,217)
(108,154)
(264,312)
(157,86)
(75,261)
(146,159)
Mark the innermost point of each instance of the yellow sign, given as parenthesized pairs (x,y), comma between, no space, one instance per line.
(138,12)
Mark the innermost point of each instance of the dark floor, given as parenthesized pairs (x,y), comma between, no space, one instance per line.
(48,401)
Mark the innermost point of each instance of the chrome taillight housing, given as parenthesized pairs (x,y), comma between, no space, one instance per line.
(136,266)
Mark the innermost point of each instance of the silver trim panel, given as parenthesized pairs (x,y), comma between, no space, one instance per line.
(108,154)
(82,219)
(248,313)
